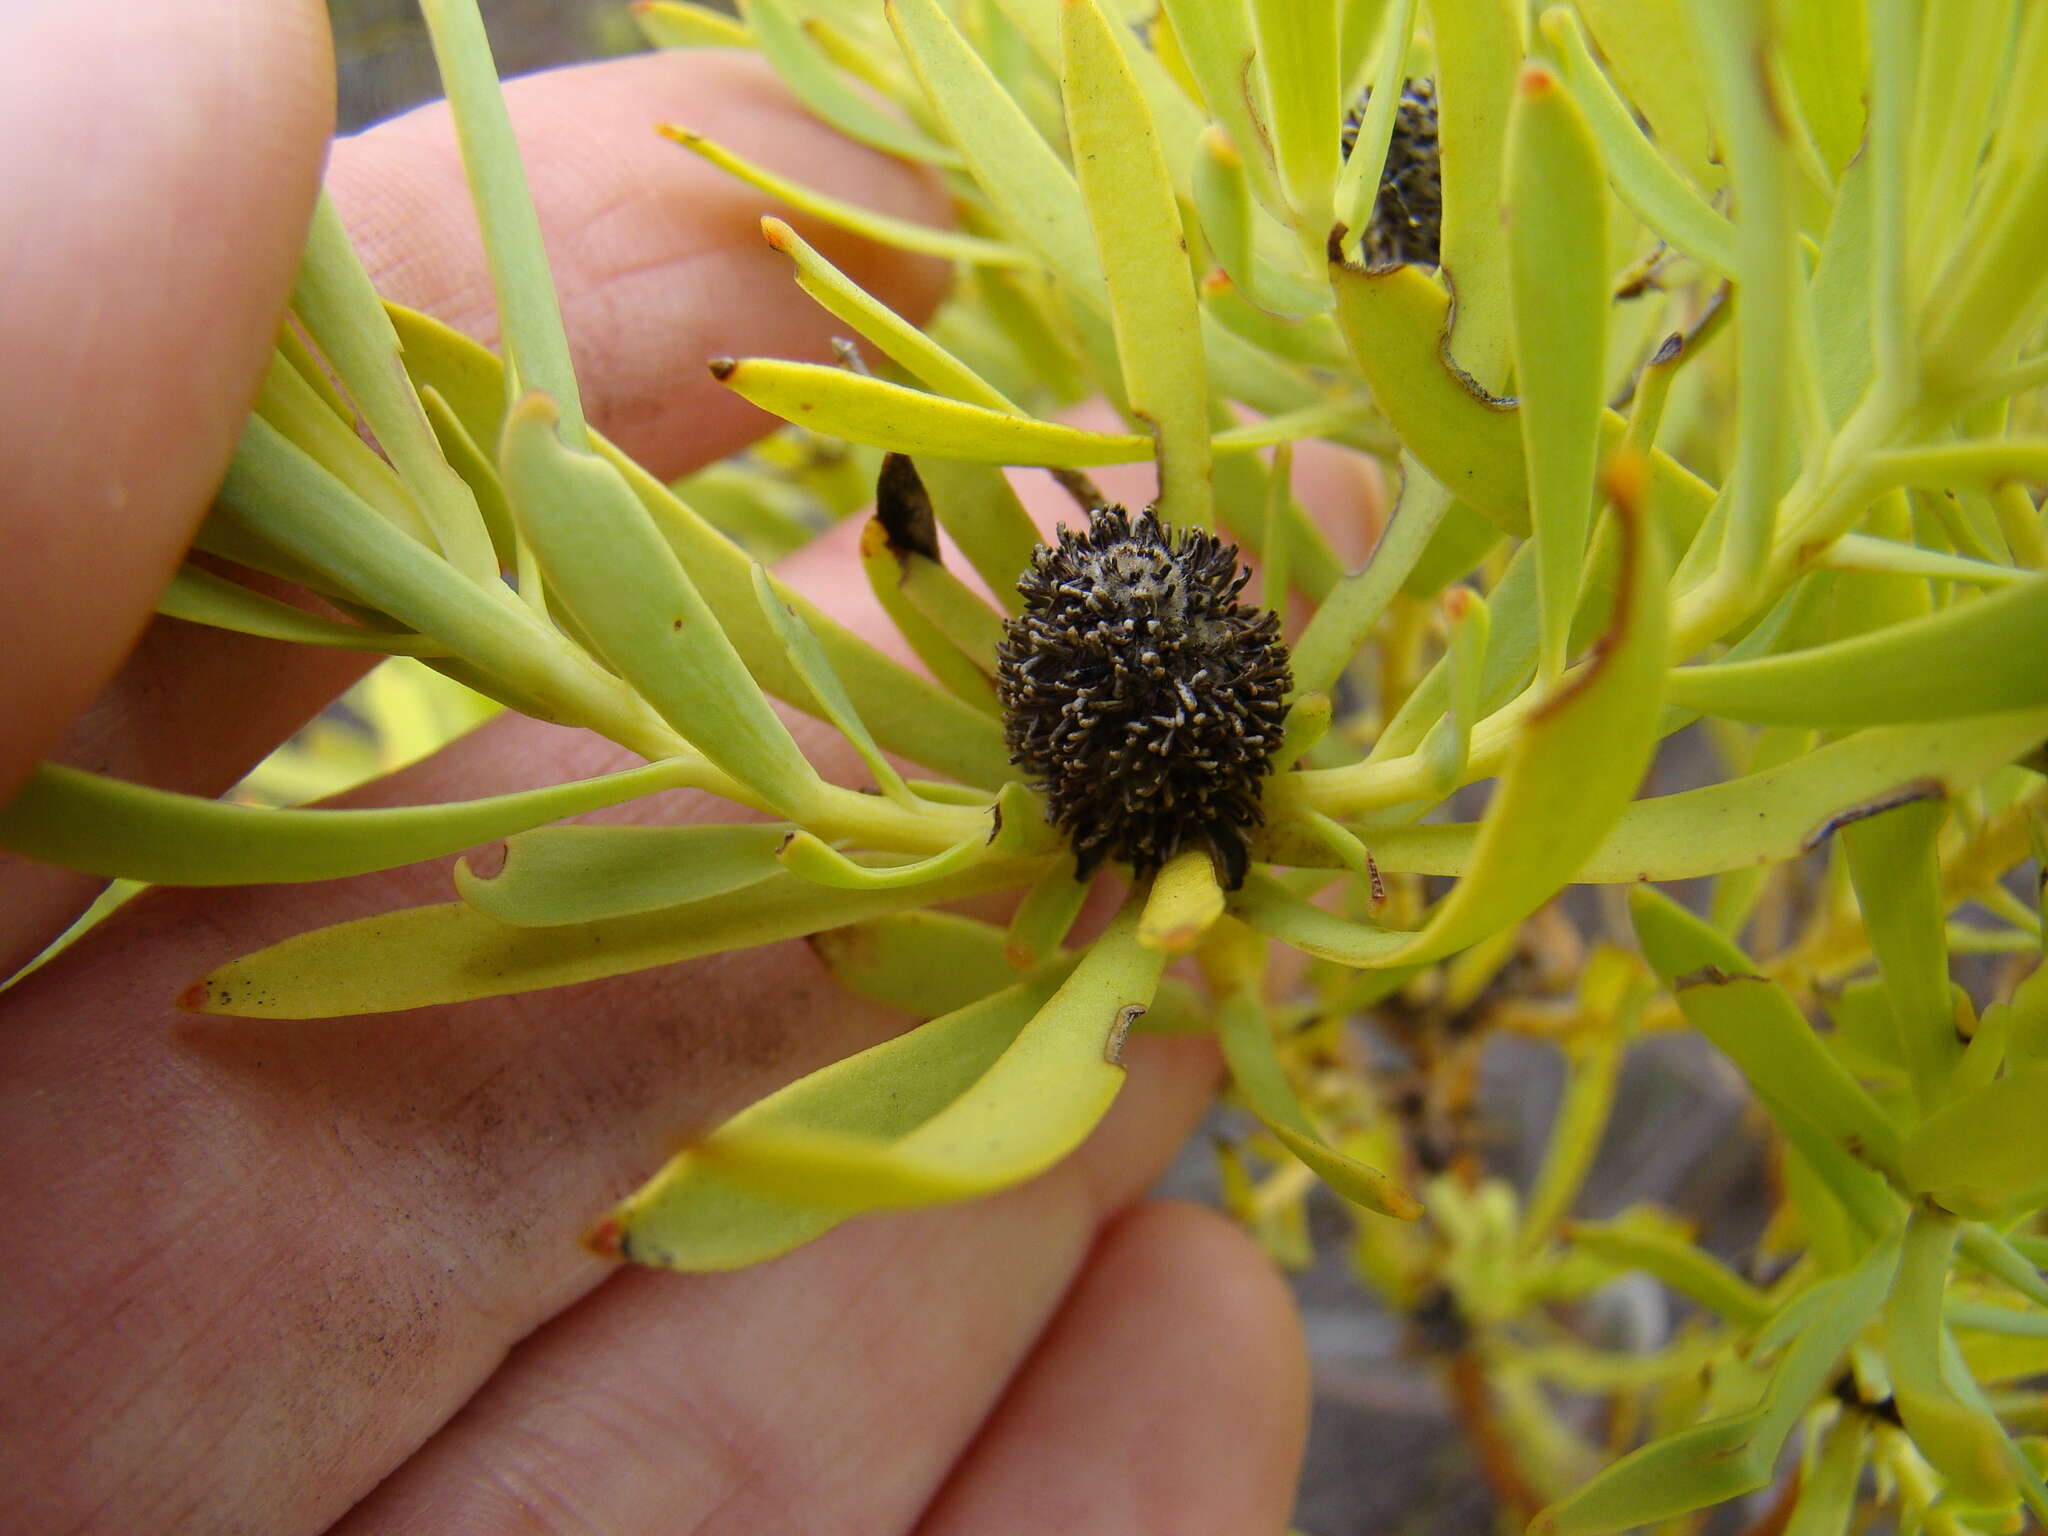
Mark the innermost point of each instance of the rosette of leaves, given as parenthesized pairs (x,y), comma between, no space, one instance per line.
(1721,407)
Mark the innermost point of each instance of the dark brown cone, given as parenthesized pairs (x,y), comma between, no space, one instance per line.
(1407,219)
(1144,699)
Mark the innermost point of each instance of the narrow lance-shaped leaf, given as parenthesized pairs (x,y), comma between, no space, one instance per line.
(952,607)
(693,1216)
(1758,1027)
(1653,1242)
(903,343)
(1557,266)
(1032,1107)
(882,228)
(1224,205)
(864,410)
(618,579)
(1344,618)
(1733,38)
(1643,178)
(1008,828)
(554,876)
(1762,818)
(1811,1098)
(1216,41)
(121,830)
(282,496)
(1043,918)
(816,668)
(683,24)
(328,431)
(200,597)
(1479,46)
(1032,193)
(1896,870)
(925,963)
(419,957)
(1449,743)
(334,298)
(1135,220)
(1828,1490)
(1650,50)
(964,676)
(1727,1457)
(777,31)
(908,713)
(1964,1445)
(1954,661)
(529,314)
(1297,65)
(1244,1033)
(928,963)
(976,506)
(1592,1067)
(1358,186)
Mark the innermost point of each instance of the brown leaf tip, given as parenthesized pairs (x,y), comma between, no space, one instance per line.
(723,368)
(607,1239)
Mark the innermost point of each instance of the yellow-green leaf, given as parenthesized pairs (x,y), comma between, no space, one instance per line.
(866,410)
(609,568)
(117,829)
(1573,771)
(1729,1456)
(1955,661)
(903,343)
(777,31)
(1397,323)
(1034,1105)
(1135,220)
(693,1216)
(421,956)
(1556,218)
(200,597)
(553,876)
(882,228)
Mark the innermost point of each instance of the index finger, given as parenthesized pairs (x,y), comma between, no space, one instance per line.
(659,262)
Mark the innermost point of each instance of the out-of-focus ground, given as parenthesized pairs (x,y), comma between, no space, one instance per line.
(1384,1456)
(386,66)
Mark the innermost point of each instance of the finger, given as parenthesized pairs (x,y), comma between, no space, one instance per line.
(393,1201)
(1170,1394)
(832,1388)
(658,255)
(158,250)
(660,263)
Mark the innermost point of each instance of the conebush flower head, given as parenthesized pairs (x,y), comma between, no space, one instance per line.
(1700,343)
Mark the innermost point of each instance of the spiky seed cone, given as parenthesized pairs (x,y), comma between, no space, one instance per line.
(1144,699)
(1407,220)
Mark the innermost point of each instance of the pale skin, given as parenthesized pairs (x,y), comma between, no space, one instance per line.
(304,1277)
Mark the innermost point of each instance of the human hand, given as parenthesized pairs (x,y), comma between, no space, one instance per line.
(296,1277)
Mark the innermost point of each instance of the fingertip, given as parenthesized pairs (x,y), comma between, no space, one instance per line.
(1170,1394)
